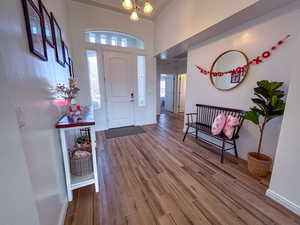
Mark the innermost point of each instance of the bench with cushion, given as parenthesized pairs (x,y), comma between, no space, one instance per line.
(202,121)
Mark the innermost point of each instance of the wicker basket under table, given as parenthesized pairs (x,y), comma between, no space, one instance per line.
(81,166)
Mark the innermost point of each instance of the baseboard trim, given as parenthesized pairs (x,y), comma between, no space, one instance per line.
(283,201)
(63,214)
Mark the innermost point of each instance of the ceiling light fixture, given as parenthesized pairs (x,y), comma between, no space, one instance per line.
(148,8)
(127,4)
(134,15)
(137,7)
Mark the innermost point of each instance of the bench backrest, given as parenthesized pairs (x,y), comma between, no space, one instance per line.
(206,114)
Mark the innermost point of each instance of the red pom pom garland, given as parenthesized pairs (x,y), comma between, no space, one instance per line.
(257,60)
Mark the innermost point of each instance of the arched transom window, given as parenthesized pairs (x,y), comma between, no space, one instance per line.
(113,38)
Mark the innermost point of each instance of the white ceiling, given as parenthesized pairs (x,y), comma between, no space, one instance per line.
(116,5)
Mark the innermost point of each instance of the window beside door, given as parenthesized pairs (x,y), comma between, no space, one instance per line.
(163,86)
(92,60)
(141,68)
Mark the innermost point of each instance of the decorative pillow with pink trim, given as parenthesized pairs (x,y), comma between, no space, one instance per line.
(218,124)
(231,123)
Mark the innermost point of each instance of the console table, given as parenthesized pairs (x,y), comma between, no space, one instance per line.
(67,127)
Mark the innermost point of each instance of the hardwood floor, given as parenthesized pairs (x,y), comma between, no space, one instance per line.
(154,178)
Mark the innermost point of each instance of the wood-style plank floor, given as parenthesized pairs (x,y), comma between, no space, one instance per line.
(155,179)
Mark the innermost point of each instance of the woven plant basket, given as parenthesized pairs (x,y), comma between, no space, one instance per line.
(259,164)
(81,163)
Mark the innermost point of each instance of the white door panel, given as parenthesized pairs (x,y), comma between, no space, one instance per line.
(119,80)
(169,99)
(182,91)
(119,76)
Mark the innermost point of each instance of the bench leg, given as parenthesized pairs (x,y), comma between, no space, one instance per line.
(235,149)
(187,131)
(196,133)
(222,153)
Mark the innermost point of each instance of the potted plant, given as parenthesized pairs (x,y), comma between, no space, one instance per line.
(82,141)
(269,105)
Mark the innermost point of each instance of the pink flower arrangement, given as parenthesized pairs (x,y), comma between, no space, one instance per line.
(68,93)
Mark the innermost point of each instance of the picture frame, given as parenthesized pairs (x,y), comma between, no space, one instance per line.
(36,3)
(71,68)
(58,42)
(34,29)
(235,78)
(47,26)
(66,53)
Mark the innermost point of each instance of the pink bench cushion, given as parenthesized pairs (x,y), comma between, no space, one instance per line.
(218,124)
(231,123)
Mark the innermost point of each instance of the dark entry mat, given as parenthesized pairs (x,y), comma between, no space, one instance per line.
(123,131)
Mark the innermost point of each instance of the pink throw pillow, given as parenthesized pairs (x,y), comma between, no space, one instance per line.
(231,123)
(218,124)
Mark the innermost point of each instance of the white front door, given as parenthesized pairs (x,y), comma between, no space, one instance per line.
(119,82)
(169,100)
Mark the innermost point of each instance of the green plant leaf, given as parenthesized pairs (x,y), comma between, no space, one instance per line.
(253,116)
(275,85)
(268,100)
(274,100)
(262,92)
(259,111)
(258,101)
(263,83)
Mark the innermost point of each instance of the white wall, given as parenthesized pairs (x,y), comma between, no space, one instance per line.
(84,18)
(251,38)
(183,19)
(17,199)
(285,185)
(30,81)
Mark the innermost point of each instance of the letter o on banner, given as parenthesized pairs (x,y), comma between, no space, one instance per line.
(266,54)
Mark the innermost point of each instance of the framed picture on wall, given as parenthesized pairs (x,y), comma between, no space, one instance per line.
(33,20)
(47,28)
(66,53)
(59,49)
(36,3)
(235,78)
(71,68)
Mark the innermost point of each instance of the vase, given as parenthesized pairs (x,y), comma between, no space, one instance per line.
(70,103)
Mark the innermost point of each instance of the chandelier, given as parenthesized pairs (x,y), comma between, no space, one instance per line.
(137,6)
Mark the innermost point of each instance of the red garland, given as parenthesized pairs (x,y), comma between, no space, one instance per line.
(257,60)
